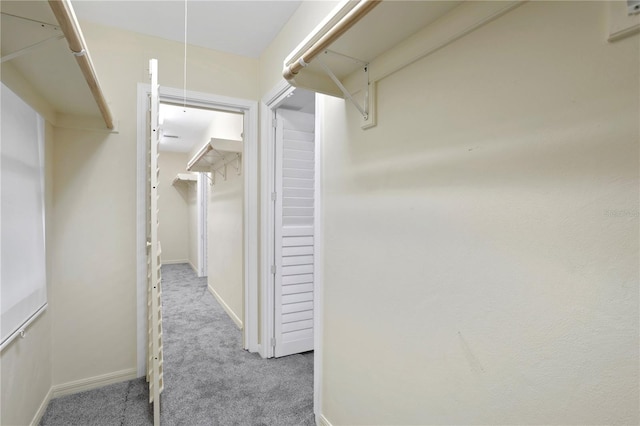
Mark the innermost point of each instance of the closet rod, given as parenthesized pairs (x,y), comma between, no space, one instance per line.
(63,12)
(349,20)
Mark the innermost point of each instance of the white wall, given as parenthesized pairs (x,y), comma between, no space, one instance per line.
(174,208)
(481,258)
(224,223)
(225,259)
(26,364)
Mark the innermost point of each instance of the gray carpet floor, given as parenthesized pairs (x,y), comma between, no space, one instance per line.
(209,378)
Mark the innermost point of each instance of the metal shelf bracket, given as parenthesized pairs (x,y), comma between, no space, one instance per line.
(368,107)
(363,109)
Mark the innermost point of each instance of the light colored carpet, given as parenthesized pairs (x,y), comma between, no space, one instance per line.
(209,378)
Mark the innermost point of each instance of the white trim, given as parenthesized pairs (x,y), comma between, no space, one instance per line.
(176,262)
(250,215)
(93,382)
(318,294)
(141,230)
(195,270)
(250,229)
(269,102)
(41,410)
(226,307)
(321,420)
(202,206)
(267,107)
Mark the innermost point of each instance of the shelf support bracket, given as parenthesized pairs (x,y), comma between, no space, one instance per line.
(237,163)
(222,173)
(364,110)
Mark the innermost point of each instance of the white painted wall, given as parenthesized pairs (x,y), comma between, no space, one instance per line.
(224,222)
(26,364)
(225,259)
(481,245)
(174,209)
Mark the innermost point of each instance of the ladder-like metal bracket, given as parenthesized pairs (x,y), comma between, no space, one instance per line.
(367,108)
(234,161)
(236,164)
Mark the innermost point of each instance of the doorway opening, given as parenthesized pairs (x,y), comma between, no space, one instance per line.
(248,215)
(291,226)
(185,195)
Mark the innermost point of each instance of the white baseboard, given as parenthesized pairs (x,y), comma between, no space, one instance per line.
(42,408)
(194,268)
(93,382)
(321,420)
(226,307)
(175,262)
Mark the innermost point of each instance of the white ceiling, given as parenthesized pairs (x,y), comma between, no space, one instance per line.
(241,27)
(185,129)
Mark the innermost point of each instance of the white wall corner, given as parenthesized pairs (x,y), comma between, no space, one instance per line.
(41,410)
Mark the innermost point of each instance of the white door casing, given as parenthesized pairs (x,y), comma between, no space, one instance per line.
(270,102)
(202,202)
(250,215)
(154,286)
(294,232)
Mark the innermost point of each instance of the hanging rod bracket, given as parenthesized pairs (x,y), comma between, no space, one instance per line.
(367,108)
(362,108)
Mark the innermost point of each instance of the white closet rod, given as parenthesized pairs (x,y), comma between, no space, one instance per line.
(63,11)
(332,34)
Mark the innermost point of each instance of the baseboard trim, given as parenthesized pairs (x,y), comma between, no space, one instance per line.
(94,382)
(226,307)
(321,420)
(194,268)
(174,262)
(42,408)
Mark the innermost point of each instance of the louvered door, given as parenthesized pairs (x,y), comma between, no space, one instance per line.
(154,279)
(294,233)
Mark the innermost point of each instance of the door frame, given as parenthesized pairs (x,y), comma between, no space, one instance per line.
(268,105)
(202,201)
(250,203)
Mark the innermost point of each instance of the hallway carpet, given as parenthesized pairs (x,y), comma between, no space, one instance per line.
(209,378)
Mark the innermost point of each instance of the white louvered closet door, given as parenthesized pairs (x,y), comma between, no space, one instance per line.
(294,232)
(155,361)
